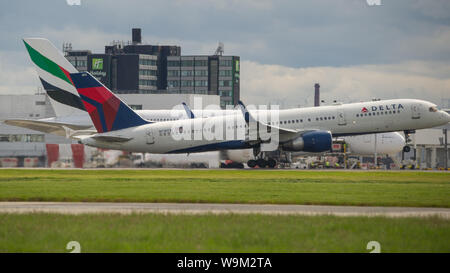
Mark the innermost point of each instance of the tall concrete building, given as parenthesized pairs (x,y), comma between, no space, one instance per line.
(212,75)
(140,68)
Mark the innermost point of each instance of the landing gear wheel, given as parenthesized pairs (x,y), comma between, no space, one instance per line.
(271,163)
(261,163)
(251,163)
(406,149)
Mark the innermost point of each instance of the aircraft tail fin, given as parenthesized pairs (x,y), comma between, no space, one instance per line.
(53,70)
(107,111)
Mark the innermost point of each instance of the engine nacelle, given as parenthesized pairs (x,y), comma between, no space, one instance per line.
(315,142)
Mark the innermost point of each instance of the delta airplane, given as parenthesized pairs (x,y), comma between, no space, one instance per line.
(305,129)
(72,119)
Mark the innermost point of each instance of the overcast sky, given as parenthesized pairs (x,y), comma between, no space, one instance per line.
(400,49)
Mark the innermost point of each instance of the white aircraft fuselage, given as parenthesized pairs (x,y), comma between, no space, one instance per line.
(340,120)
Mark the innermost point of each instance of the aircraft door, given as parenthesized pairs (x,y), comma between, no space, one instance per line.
(149,137)
(341,117)
(415,111)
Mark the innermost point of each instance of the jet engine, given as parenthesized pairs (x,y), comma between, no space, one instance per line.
(315,142)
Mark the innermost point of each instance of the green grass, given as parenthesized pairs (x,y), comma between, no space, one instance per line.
(220,233)
(424,189)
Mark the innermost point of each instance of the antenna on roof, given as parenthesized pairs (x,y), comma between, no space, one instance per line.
(66,47)
(219,50)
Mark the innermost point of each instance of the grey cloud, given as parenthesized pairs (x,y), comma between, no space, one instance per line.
(293,33)
(344,44)
(294,86)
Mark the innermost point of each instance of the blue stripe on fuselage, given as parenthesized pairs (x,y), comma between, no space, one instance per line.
(227,145)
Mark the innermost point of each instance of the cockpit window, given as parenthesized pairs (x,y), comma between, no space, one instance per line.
(433,109)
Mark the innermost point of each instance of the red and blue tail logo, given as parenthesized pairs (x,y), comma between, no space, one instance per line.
(108,112)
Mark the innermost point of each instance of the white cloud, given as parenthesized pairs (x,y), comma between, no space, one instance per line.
(17,78)
(263,84)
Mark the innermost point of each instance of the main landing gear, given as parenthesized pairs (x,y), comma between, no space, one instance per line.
(262,163)
(261,160)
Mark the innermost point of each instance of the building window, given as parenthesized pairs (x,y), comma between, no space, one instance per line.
(225,73)
(147,82)
(225,62)
(173,83)
(82,63)
(186,83)
(173,63)
(22,138)
(186,73)
(147,72)
(201,83)
(147,62)
(187,63)
(225,93)
(173,73)
(201,73)
(4,138)
(201,62)
(224,83)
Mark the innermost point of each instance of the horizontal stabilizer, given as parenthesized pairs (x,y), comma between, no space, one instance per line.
(48,127)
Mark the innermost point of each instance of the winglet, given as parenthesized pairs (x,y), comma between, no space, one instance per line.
(189,113)
(247,115)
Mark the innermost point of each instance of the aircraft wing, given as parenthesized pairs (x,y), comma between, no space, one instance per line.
(284,133)
(49,127)
(288,134)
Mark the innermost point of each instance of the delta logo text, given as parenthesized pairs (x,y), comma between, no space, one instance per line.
(383,108)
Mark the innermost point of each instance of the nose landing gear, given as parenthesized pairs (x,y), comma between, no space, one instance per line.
(407,133)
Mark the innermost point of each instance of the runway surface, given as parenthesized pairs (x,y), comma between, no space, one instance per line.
(202,208)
